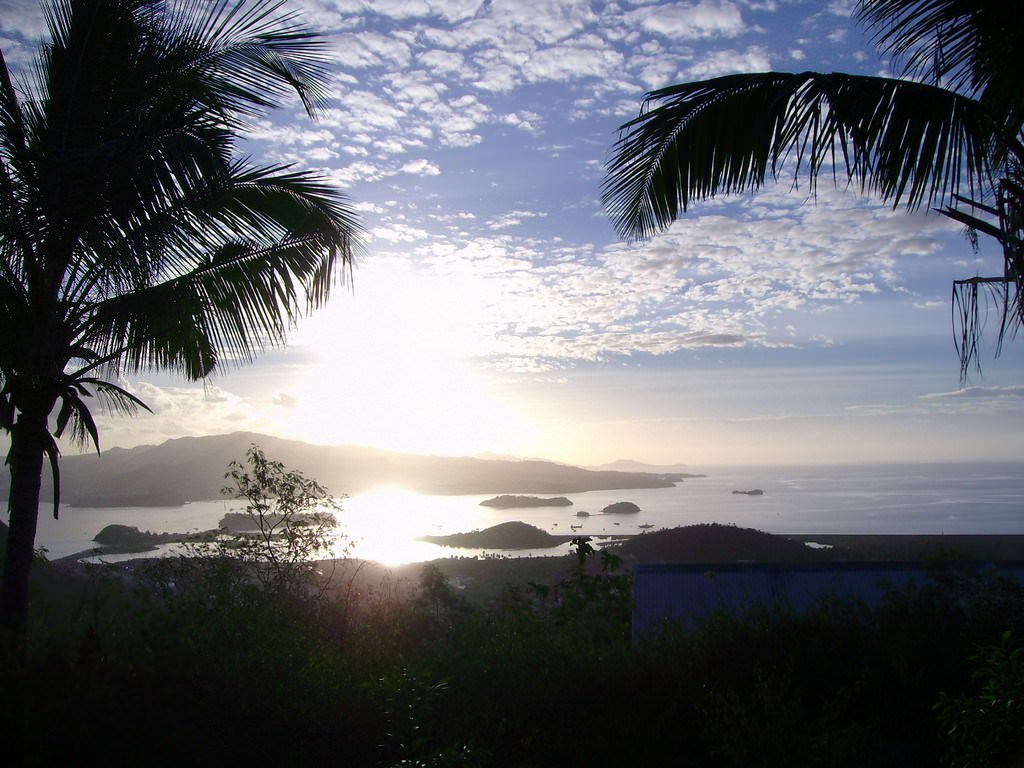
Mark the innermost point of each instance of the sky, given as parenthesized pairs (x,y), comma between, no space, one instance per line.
(494,310)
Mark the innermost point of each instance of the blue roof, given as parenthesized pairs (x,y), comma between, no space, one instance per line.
(682,593)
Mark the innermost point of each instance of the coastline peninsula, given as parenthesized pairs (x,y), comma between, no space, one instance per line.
(192,469)
(508,501)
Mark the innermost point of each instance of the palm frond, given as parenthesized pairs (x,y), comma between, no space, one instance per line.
(972,221)
(250,55)
(238,204)
(16,176)
(158,327)
(12,127)
(911,143)
(74,412)
(7,410)
(114,398)
(154,104)
(228,280)
(238,302)
(53,455)
(971,303)
(973,297)
(963,45)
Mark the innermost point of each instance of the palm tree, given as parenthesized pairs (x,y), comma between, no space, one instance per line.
(946,134)
(132,236)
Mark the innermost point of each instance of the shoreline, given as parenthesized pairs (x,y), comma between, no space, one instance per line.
(896,546)
(882,546)
(484,578)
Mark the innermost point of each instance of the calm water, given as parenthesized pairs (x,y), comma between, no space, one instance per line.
(884,499)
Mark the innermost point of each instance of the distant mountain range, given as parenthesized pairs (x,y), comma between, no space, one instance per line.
(628,465)
(193,469)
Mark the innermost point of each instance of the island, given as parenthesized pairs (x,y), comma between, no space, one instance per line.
(511,535)
(127,539)
(517,502)
(620,507)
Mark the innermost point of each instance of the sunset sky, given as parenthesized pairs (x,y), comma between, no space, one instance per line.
(493,309)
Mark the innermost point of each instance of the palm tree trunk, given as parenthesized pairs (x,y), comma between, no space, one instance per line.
(26,466)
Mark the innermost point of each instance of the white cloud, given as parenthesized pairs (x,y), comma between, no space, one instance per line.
(289,134)
(364,207)
(320,154)
(544,21)
(355,151)
(360,171)
(461,139)
(284,400)
(499,78)
(415,90)
(183,410)
(690,20)
(726,62)
(1007,392)
(364,112)
(399,233)
(22,24)
(837,36)
(578,59)
(711,281)
(514,218)
(524,120)
(442,62)
(421,167)
(389,146)
(363,49)
(450,11)
(842,8)
(654,71)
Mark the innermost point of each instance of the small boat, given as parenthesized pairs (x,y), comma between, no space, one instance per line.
(645,525)
(575,527)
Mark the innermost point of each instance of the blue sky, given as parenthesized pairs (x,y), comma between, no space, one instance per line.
(494,309)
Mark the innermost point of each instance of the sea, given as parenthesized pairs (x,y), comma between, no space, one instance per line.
(386,525)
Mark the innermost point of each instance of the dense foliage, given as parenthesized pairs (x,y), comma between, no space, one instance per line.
(179,662)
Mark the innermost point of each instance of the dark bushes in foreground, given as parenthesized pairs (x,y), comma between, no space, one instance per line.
(544,675)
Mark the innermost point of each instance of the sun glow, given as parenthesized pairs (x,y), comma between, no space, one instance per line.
(391,520)
(390,369)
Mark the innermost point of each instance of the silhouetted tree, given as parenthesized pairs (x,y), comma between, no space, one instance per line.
(947,132)
(132,235)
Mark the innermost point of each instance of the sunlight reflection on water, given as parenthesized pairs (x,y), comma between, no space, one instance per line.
(384,525)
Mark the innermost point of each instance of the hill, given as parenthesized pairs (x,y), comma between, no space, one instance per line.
(510,535)
(628,465)
(520,502)
(193,468)
(715,543)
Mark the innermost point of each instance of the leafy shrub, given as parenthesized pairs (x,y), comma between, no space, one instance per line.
(985,728)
